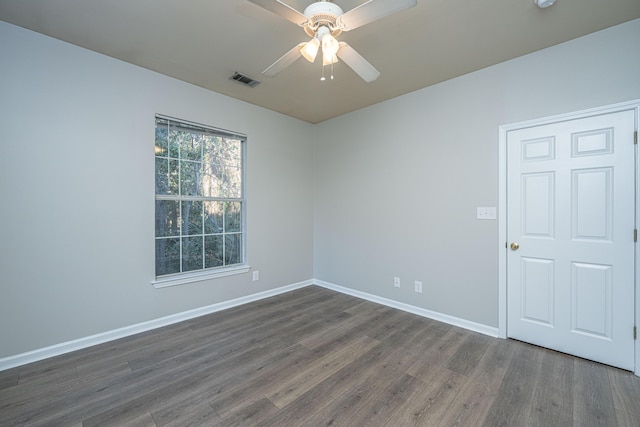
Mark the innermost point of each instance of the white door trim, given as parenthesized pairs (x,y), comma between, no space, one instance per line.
(502,206)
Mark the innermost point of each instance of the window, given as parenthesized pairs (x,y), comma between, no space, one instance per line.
(200,202)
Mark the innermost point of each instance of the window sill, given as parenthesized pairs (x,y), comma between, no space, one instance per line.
(183,279)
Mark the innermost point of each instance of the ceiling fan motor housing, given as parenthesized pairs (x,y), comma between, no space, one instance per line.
(322,13)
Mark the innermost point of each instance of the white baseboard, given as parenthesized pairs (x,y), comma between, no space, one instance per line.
(78,344)
(445,318)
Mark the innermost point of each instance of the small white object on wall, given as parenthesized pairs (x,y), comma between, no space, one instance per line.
(486,213)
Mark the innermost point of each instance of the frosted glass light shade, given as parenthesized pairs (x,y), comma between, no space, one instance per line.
(330,48)
(310,49)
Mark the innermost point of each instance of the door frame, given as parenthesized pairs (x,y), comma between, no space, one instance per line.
(502,206)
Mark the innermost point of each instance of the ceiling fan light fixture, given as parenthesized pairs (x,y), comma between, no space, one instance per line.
(330,48)
(323,21)
(544,3)
(310,49)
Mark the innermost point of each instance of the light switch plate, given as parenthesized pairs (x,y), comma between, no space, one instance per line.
(486,213)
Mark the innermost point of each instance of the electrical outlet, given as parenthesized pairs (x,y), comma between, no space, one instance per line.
(418,286)
(396,282)
(256,276)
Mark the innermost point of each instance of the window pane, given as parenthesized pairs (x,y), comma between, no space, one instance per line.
(190,146)
(233,249)
(232,182)
(167,218)
(211,147)
(213,217)
(174,143)
(190,178)
(192,218)
(233,217)
(192,253)
(174,177)
(162,145)
(231,152)
(167,256)
(162,176)
(211,179)
(213,250)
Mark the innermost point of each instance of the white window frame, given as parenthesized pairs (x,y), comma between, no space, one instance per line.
(181,278)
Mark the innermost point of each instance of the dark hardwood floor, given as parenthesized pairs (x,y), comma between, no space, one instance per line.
(315,357)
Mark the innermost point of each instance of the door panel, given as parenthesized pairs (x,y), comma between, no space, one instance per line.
(538,207)
(571,209)
(592,204)
(591,308)
(537,290)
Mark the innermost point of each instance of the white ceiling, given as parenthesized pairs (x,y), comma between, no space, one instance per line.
(204,41)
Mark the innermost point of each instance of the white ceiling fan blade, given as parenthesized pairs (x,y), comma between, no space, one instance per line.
(282,9)
(370,11)
(286,60)
(361,66)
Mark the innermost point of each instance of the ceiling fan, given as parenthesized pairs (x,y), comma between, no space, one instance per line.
(323,21)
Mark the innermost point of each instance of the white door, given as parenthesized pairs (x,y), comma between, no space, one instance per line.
(570,231)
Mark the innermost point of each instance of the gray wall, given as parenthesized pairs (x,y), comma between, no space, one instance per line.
(397,184)
(77,189)
(387,191)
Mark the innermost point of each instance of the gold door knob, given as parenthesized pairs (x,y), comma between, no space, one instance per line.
(515,246)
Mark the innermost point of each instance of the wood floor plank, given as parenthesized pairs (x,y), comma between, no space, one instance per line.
(252,414)
(438,355)
(235,320)
(364,306)
(430,402)
(326,335)
(512,405)
(8,380)
(48,376)
(22,397)
(298,412)
(233,385)
(108,356)
(552,402)
(593,398)
(141,419)
(466,358)
(87,399)
(232,396)
(478,393)
(393,322)
(626,397)
(245,313)
(193,413)
(367,366)
(363,390)
(391,352)
(228,399)
(376,410)
(286,333)
(185,379)
(100,355)
(285,392)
